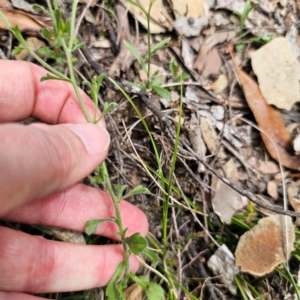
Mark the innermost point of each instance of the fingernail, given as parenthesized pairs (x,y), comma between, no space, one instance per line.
(96,139)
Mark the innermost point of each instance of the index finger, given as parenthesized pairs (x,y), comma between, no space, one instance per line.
(52,101)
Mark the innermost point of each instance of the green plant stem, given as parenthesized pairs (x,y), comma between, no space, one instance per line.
(72,25)
(118,215)
(51,11)
(73,79)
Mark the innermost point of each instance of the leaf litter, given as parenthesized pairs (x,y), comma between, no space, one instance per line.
(214,110)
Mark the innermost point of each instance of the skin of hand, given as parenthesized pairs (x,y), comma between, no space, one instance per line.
(41,166)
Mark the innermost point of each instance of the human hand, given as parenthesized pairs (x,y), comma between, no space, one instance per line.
(40,166)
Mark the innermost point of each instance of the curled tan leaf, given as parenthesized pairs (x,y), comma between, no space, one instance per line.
(268,119)
(21,19)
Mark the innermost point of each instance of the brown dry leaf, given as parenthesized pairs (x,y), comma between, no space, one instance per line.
(196,139)
(219,85)
(6,4)
(190,8)
(133,292)
(21,19)
(210,138)
(207,53)
(263,247)
(226,201)
(272,189)
(268,119)
(159,15)
(34,44)
(212,65)
(222,263)
(65,235)
(266,167)
(293,192)
(278,73)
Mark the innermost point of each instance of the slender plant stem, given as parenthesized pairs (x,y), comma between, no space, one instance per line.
(118,215)
(72,25)
(73,79)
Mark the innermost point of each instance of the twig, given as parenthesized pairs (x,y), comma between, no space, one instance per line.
(168,126)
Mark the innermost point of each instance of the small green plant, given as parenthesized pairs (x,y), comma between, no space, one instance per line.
(153,83)
(63,42)
(243,17)
(175,71)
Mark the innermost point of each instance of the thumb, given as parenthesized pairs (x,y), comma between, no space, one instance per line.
(38,160)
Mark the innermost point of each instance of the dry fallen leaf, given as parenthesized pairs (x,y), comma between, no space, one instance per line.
(226,201)
(210,138)
(133,292)
(160,17)
(34,44)
(62,234)
(263,247)
(265,167)
(190,27)
(208,60)
(222,263)
(293,192)
(21,19)
(196,139)
(278,73)
(219,85)
(190,8)
(272,189)
(268,119)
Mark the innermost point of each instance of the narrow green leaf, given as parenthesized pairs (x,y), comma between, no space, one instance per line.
(152,290)
(137,5)
(47,34)
(58,21)
(91,225)
(97,179)
(16,51)
(172,66)
(100,79)
(162,92)
(107,107)
(136,54)
(136,243)
(47,52)
(160,45)
(51,77)
(114,290)
(152,256)
(39,7)
(79,46)
(120,190)
(137,190)
(156,81)
(240,47)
